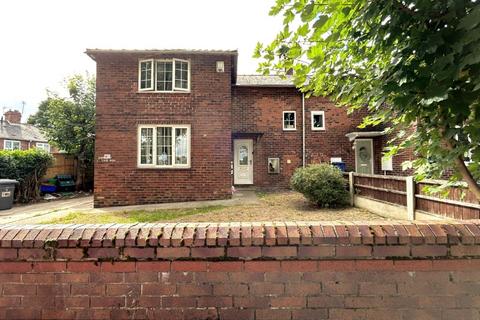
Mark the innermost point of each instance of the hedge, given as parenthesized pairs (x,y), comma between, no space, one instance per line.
(27,167)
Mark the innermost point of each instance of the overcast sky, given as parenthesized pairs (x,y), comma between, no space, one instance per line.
(43,42)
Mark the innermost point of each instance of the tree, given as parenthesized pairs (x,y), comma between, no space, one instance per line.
(412,63)
(69,122)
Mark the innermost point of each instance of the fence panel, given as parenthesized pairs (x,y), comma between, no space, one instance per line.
(385,188)
(460,203)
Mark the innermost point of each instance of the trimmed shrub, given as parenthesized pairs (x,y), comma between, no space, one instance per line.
(321,184)
(27,167)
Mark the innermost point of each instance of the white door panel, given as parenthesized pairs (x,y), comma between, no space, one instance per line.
(364,156)
(243,161)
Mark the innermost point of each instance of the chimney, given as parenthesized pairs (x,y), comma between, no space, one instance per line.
(13,116)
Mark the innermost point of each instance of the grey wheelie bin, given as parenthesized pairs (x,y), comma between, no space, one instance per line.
(7,189)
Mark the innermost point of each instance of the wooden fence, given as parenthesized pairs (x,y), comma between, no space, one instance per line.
(460,203)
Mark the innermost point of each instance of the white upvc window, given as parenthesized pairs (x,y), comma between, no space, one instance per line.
(12,145)
(43,146)
(164,146)
(164,75)
(145,75)
(318,120)
(289,120)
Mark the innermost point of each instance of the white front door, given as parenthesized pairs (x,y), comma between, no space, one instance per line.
(243,161)
(364,156)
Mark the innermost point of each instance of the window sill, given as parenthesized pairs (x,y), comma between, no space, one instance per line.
(163,168)
(290,129)
(318,129)
(153,92)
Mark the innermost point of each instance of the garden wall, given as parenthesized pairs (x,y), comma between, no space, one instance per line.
(259,271)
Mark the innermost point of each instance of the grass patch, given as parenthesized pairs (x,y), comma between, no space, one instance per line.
(132,216)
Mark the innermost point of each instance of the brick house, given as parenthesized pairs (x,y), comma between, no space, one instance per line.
(181,125)
(15,135)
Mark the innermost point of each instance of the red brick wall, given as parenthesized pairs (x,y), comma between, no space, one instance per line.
(121,108)
(332,142)
(232,271)
(260,110)
(13,116)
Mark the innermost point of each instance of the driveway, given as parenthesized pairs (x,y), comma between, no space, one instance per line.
(35,213)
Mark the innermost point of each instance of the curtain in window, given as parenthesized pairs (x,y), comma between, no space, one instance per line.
(146,146)
(164,146)
(181,152)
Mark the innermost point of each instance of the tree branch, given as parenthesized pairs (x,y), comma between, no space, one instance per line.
(466,174)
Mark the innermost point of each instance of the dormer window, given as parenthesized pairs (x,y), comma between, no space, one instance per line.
(165,75)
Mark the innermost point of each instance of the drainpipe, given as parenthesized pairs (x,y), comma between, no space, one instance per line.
(303,129)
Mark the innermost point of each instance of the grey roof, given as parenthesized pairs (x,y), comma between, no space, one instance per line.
(264,81)
(92,52)
(21,131)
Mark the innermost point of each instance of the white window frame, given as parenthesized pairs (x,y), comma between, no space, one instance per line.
(294,121)
(153,88)
(152,75)
(312,115)
(11,143)
(43,145)
(154,148)
(173,78)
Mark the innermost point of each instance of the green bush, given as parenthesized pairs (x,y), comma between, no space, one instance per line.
(27,167)
(321,184)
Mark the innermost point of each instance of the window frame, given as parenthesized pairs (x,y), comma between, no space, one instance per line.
(312,116)
(294,121)
(153,88)
(12,141)
(154,165)
(188,74)
(152,75)
(43,144)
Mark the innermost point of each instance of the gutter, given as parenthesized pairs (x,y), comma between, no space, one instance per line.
(303,130)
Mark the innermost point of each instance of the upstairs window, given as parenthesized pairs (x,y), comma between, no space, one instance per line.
(289,120)
(164,75)
(164,146)
(11,145)
(318,120)
(43,146)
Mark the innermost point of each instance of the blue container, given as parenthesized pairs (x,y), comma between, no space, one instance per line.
(340,165)
(45,188)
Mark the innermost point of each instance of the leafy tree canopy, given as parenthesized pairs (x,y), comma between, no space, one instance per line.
(69,122)
(412,63)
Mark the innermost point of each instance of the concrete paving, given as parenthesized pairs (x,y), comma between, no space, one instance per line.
(36,213)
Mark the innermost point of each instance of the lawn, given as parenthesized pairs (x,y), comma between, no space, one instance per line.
(277,206)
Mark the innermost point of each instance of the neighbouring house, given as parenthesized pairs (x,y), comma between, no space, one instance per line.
(180,125)
(15,135)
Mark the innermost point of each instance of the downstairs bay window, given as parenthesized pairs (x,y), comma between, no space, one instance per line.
(164,146)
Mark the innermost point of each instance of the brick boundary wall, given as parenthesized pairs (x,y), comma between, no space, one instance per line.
(302,270)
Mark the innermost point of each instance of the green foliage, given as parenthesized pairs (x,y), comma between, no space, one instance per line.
(413,64)
(27,167)
(69,122)
(321,184)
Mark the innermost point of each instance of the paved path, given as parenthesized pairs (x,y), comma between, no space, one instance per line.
(39,212)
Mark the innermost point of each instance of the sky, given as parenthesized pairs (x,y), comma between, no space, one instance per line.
(43,42)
